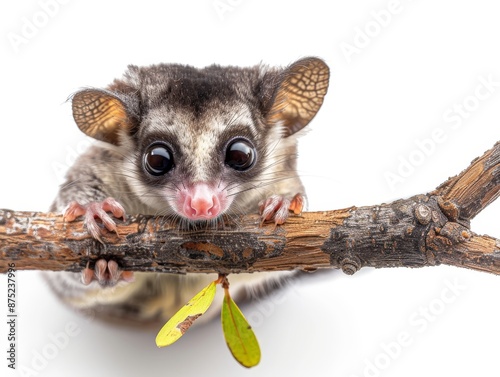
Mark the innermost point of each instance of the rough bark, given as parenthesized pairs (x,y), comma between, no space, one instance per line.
(424,230)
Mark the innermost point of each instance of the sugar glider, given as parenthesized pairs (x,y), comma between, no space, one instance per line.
(190,144)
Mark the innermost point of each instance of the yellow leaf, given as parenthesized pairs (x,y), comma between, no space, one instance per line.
(239,335)
(184,318)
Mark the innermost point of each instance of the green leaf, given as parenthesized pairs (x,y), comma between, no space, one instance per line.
(184,318)
(238,333)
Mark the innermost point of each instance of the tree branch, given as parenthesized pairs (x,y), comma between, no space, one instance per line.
(424,230)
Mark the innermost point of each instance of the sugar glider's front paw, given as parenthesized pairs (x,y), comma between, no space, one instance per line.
(96,210)
(278,208)
(107,273)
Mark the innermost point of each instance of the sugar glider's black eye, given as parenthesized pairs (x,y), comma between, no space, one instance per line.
(158,159)
(240,154)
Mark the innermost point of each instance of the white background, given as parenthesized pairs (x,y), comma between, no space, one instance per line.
(383,99)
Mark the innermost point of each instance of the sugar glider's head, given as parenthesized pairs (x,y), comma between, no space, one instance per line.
(197,142)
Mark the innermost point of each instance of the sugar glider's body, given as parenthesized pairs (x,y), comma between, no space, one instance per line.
(190,144)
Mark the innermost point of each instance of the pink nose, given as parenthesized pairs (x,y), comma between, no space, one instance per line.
(201,202)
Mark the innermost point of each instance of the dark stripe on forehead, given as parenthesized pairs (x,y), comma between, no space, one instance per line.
(188,88)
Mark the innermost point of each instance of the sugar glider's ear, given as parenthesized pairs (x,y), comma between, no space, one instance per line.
(299,94)
(103,114)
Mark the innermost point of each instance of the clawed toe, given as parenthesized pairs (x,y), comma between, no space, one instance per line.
(93,211)
(106,273)
(277,208)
